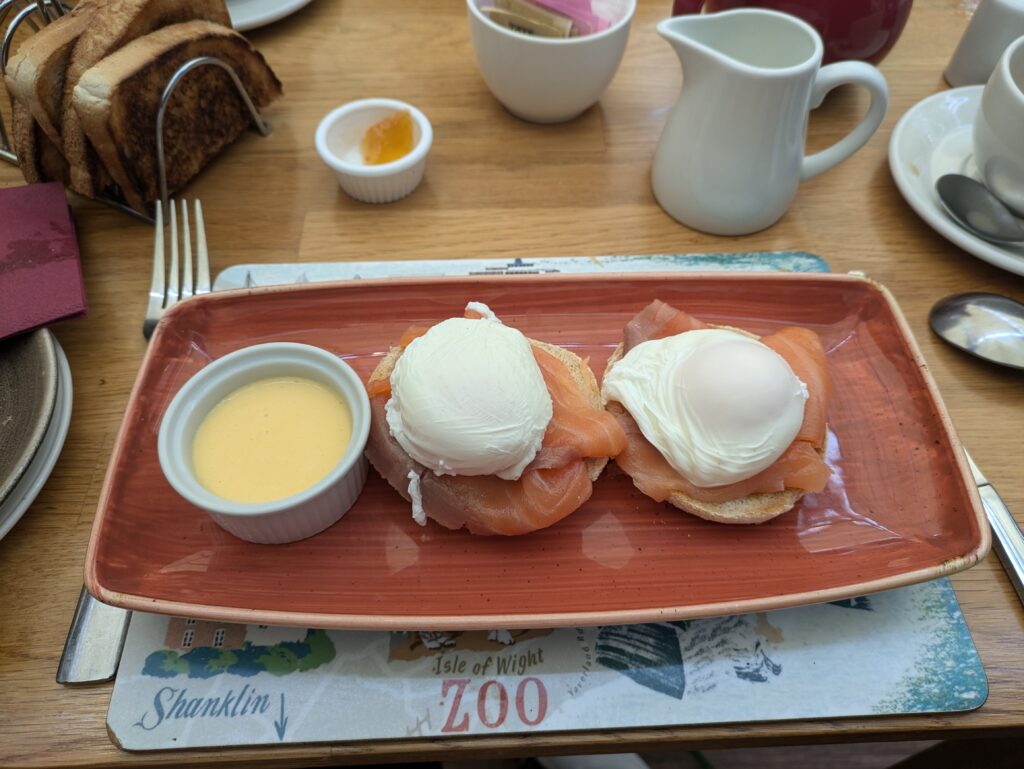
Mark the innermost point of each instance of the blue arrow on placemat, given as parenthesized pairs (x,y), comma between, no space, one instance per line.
(281,725)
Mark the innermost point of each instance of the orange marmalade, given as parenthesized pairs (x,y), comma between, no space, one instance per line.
(388,139)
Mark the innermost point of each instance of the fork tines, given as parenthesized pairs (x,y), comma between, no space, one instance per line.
(173,283)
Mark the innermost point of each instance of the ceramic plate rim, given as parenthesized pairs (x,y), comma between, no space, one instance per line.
(42,464)
(372,622)
(950,564)
(275,12)
(51,376)
(924,202)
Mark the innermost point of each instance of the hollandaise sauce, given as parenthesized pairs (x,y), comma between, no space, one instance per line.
(271,439)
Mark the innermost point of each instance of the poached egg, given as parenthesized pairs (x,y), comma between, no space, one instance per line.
(720,406)
(468,398)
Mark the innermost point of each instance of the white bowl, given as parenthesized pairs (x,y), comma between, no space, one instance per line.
(282,520)
(545,79)
(338,140)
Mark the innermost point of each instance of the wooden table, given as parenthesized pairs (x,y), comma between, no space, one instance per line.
(495,186)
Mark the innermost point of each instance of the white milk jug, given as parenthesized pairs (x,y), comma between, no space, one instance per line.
(731,154)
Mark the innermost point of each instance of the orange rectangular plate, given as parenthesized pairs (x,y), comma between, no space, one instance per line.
(900,508)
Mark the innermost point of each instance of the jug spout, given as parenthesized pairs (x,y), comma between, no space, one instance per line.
(693,37)
(678,32)
(748,39)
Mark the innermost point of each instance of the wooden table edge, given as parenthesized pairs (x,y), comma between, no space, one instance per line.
(883,728)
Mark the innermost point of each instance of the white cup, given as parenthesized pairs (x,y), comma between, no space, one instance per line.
(546,79)
(994,25)
(999,129)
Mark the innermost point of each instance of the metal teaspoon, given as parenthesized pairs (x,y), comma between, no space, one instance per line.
(973,206)
(988,326)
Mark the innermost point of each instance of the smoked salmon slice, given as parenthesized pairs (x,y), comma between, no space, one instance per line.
(657,321)
(554,485)
(383,386)
(575,422)
(802,350)
(484,504)
(800,467)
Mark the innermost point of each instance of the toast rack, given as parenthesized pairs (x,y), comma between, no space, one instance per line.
(46,11)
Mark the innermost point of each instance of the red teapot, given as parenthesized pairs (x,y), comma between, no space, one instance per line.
(850,29)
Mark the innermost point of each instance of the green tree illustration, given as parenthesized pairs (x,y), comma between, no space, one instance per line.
(311,652)
(279,661)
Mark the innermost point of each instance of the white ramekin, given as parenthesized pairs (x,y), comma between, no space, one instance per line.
(283,520)
(338,140)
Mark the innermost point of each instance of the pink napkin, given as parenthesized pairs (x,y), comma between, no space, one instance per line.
(40,271)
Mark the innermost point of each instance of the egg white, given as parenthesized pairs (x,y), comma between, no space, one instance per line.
(720,406)
(468,398)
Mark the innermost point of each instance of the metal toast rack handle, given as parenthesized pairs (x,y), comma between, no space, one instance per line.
(49,10)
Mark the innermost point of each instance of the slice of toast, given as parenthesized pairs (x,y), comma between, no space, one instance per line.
(40,159)
(24,138)
(117,23)
(35,74)
(753,508)
(117,102)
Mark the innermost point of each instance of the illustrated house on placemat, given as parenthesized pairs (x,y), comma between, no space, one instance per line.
(268,635)
(187,633)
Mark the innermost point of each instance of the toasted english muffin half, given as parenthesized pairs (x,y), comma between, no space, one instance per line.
(753,508)
(581,374)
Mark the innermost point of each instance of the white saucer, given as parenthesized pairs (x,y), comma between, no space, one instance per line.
(31,482)
(932,139)
(249,14)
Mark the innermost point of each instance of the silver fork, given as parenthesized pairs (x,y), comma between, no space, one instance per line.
(96,637)
(165,289)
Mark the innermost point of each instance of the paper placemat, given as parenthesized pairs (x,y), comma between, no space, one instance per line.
(184,683)
(190,684)
(248,275)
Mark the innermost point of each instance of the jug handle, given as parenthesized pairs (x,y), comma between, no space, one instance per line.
(841,73)
(681,7)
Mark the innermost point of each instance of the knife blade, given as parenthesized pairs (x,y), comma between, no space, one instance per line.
(95,640)
(1008,541)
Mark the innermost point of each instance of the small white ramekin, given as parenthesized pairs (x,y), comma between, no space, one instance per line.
(338,140)
(283,520)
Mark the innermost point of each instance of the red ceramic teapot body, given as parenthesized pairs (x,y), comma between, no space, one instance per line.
(850,29)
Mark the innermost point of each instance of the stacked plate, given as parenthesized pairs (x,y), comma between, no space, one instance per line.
(35,410)
(250,14)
